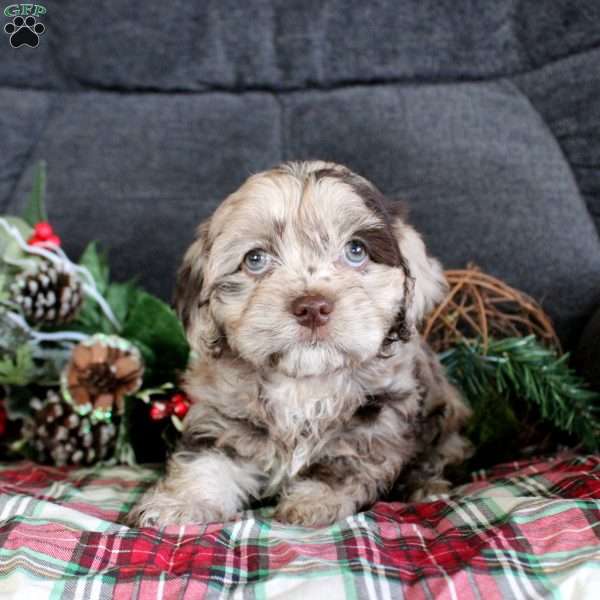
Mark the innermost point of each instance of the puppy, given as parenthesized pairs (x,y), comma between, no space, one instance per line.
(310,384)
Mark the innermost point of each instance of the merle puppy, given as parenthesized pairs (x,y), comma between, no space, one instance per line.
(301,298)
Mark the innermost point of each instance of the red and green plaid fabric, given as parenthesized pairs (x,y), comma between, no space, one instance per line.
(521,530)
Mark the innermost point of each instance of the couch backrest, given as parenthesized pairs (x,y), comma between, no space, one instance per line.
(484,117)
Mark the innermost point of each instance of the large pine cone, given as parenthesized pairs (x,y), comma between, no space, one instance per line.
(58,435)
(102,370)
(47,295)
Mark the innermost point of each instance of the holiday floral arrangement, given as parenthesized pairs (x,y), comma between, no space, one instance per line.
(89,368)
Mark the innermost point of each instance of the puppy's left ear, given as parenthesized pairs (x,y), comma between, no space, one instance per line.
(429,285)
(190,278)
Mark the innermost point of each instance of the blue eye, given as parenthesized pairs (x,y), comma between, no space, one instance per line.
(355,253)
(257,260)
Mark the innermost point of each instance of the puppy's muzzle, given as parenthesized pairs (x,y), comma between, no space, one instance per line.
(312,310)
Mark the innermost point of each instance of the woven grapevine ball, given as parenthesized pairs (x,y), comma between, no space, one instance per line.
(481,307)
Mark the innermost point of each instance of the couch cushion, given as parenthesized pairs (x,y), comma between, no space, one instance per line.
(566,93)
(275,44)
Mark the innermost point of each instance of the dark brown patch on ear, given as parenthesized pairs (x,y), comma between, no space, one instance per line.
(381,248)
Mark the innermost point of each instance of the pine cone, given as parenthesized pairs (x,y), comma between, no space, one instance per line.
(47,295)
(101,372)
(58,435)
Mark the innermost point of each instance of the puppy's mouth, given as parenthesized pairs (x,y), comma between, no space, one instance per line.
(312,353)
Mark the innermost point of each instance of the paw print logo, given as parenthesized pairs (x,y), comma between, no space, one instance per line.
(24,32)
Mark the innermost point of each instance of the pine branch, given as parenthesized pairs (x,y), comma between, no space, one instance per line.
(523,369)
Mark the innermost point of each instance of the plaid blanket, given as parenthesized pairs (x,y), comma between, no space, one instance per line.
(522,530)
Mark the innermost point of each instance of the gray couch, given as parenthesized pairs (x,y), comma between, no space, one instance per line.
(483,116)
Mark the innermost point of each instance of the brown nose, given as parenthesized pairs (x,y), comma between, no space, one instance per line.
(312,311)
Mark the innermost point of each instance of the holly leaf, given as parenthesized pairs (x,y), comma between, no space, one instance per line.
(153,325)
(35,209)
(121,296)
(96,262)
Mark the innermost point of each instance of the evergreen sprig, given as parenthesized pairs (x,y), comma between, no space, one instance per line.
(516,369)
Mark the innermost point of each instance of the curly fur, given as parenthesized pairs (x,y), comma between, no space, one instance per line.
(327,420)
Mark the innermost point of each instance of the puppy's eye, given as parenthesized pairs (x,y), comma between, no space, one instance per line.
(256,261)
(355,253)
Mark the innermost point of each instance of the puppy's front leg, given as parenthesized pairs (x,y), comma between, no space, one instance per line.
(198,488)
(324,495)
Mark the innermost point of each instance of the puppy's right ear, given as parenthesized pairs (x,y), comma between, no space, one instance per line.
(190,277)
(429,282)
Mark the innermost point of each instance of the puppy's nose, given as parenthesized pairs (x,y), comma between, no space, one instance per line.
(312,310)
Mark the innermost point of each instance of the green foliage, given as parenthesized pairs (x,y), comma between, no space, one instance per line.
(10,252)
(119,296)
(145,320)
(156,330)
(91,319)
(35,210)
(514,371)
(18,368)
(96,262)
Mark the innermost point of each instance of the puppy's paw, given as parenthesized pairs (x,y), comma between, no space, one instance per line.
(433,487)
(157,508)
(308,514)
(313,504)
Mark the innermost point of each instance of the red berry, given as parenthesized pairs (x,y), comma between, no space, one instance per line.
(53,239)
(180,408)
(158,411)
(180,404)
(44,230)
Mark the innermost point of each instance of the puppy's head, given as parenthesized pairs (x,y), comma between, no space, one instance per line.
(305,269)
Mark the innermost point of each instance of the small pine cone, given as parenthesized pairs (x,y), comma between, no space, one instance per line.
(58,435)
(47,295)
